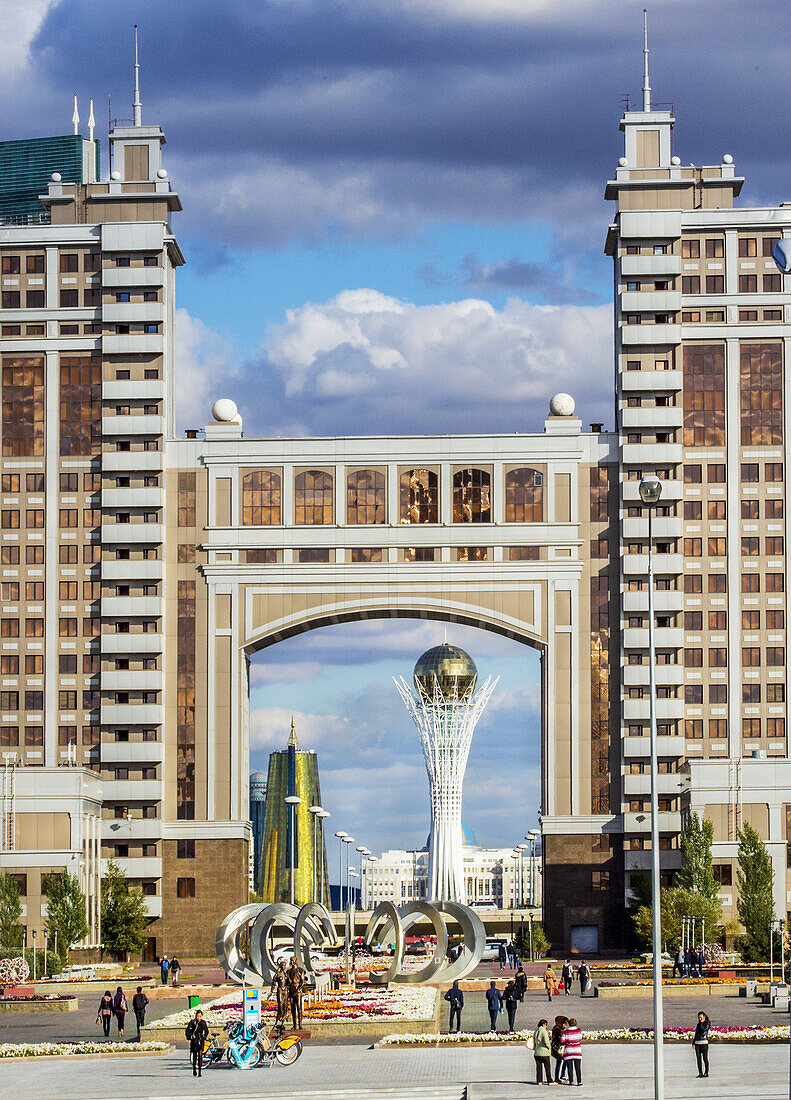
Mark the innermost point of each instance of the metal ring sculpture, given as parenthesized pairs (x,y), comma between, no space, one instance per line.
(312,926)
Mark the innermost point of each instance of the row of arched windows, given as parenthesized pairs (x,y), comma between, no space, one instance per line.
(262,500)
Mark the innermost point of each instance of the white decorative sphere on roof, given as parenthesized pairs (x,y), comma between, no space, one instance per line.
(162,173)
(224,410)
(727,159)
(562,404)
(56,177)
(622,162)
(675,160)
(116,175)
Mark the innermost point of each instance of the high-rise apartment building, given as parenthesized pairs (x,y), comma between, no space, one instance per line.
(141,572)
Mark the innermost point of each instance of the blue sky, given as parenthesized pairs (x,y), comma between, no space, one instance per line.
(393,221)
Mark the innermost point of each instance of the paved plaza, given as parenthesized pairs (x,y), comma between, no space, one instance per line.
(619,1072)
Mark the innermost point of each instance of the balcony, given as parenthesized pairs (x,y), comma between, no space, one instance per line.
(635,785)
(138,866)
(154,905)
(131,790)
(641,822)
(652,380)
(124,645)
(670,416)
(631,335)
(126,533)
(664,637)
(133,425)
(667,860)
(133,312)
(133,752)
(133,276)
(665,746)
(640,675)
(133,344)
(119,830)
(132,714)
(127,462)
(138,497)
(126,607)
(651,454)
(663,601)
(637,564)
(671,490)
(637,710)
(148,389)
(132,680)
(148,570)
(650,265)
(664,527)
(636,301)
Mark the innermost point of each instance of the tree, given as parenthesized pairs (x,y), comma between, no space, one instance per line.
(65,910)
(10,912)
(755,905)
(124,913)
(697,870)
(675,903)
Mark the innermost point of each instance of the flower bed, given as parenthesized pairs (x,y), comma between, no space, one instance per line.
(43,1050)
(606,1035)
(37,997)
(672,981)
(397,1003)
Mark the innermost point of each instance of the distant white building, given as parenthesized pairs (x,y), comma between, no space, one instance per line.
(493,878)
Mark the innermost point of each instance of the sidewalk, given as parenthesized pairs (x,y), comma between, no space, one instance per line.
(613,1071)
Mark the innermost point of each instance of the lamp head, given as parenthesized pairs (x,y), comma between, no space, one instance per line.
(314,809)
(348,839)
(324,813)
(341,834)
(650,489)
(293,799)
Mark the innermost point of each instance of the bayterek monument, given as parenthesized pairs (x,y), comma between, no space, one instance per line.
(445,707)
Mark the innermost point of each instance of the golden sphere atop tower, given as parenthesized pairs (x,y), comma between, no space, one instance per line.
(450,668)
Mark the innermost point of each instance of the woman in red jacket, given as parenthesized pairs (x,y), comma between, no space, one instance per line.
(572,1050)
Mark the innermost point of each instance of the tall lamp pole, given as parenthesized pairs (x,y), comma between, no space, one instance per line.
(532,836)
(340,835)
(522,849)
(650,492)
(364,853)
(323,889)
(314,811)
(292,801)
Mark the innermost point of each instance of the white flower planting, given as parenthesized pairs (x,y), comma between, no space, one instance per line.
(14,971)
(775,1034)
(44,1050)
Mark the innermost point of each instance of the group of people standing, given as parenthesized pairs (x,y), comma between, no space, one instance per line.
(169,967)
(689,963)
(568,975)
(564,1044)
(508,955)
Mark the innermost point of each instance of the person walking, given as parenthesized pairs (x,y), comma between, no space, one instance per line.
(279,988)
(520,981)
(455,999)
(701,1043)
(688,962)
(556,1043)
(121,1008)
(584,975)
(495,1003)
(701,961)
(295,979)
(678,963)
(567,973)
(175,967)
(550,979)
(139,1002)
(164,967)
(511,1001)
(542,1048)
(502,955)
(197,1031)
(105,1012)
(572,1051)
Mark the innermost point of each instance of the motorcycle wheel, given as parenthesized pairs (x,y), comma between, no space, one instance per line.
(289,1056)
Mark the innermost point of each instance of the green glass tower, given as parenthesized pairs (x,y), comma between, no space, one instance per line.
(293,771)
(26,167)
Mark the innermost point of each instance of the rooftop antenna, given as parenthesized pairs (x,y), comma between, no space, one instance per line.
(136,107)
(91,123)
(646,82)
(75,115)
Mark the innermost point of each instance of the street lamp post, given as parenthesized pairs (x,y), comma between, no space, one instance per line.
(323,890)
(347,840)
(292,801)
(314,811)
(371,859)
(522,849)
(340,835)
(364,853)
(650,492)
(532,836)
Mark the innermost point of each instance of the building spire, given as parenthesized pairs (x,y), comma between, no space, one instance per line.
(292,739)
(75,116)
(91,123)
(136,106)
(646,82)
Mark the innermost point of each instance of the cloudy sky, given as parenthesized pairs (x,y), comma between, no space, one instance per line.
(393,216)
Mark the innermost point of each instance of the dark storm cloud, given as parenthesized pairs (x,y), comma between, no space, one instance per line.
(543,280)
(372,116)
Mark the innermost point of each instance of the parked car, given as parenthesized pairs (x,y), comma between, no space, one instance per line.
(492,947)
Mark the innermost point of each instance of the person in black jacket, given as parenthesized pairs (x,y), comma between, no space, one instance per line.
(494,1002)
(701,1043)
(455,998)
(197,1032)
(510,1000)
(520,981)
(139,1003)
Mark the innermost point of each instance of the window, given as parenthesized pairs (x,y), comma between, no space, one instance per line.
(690,249)
(185,887)
(313,556)
(9,628)
(749,509)
(472,496)
(718,582)
(693,582)
(693,509)
(704,400)
(419,553)
(723,874)
(751,727)
(693,728)
(747,247)
(524,553)
(34,628)
(750,546)
(693,658)
(34,735)
(775,655)
(718,620)
(10,300)
(717,548)
(773,471)
(715,284)
(10,265)
(185,849)
(774,545)
(751,582)
(419,496)
(693,620)
(718,693)
(775,582)
(718,657)
(690,284)
(366,554)
(9,700)
(693,474)
(715,473)
(751,620)
(313,502)
(693,548)
(775,693)
(67,628)
(717,509)
(600,880)
(715,249)
(751,657)
(772,284)
(775,620)
(748,284)
(775,727)
(9,665)
(693,694)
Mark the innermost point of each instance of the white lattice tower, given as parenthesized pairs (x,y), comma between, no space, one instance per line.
(445,724)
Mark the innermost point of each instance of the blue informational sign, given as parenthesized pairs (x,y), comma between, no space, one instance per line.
(252,1008)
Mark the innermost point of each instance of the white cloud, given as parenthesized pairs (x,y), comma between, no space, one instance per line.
(21,21)
(449,363)
(204,367)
